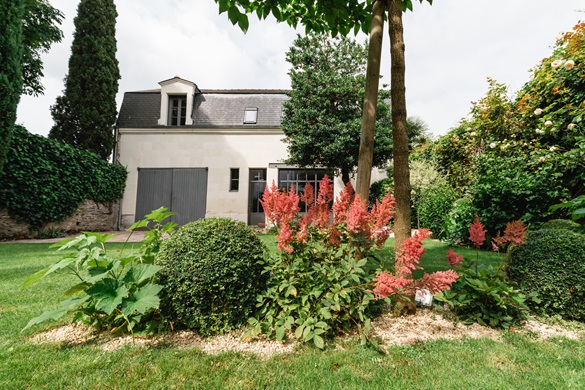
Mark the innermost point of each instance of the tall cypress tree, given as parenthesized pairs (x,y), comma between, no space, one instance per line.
(11,50)
(85,115)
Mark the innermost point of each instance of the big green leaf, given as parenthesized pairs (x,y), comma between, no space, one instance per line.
(108,295)
(143,300)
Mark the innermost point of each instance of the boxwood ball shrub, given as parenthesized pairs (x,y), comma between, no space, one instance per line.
(211,273)
(562,224)
(552,264)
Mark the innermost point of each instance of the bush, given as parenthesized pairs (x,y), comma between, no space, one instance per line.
(552,264)
(562,224)
(458,220)
(435,204)
(212,273)
(46,181)
(380,188)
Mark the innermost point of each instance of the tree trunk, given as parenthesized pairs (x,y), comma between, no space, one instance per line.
(366,153)
(402,188)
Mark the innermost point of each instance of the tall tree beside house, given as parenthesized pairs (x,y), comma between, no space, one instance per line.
(86,113)
(322,119)
(11,49)
(40,30)
(341,17)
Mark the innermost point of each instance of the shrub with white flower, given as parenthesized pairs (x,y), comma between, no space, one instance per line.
(538,111)
(556,63)
(553,148)
(493,145)
(569,64)
(571,126)
(539,131)
(548,123)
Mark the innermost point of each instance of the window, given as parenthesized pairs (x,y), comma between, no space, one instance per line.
(251,116)
(234,179)
(177,110)
(298,178)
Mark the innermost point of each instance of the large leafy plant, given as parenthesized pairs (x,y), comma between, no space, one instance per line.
(112,292)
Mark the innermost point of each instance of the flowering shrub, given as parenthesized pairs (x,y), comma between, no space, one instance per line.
(482,294)
(402,282)
(320,282)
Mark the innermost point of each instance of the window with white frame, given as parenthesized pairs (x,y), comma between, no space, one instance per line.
(177,110)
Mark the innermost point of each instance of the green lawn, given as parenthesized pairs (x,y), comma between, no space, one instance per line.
(517,362)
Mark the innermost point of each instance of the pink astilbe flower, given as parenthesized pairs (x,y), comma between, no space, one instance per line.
(325,191)
(477,232)
(383,212)
(285,238)
(387,284)
(308,196)
(437,281)
(334,237)
(358,217)
(280,207)
(411,253)
(342,203)
(453,258)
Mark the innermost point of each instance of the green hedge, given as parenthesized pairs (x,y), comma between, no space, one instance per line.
(552,264)
(46,181)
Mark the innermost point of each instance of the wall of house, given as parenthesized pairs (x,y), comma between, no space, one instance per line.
(215,149)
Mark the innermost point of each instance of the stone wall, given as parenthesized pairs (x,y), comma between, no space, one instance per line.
(90,216)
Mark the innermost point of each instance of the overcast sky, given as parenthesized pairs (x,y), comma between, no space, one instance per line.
(451,47)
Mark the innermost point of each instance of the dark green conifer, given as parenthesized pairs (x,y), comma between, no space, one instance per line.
(86,113)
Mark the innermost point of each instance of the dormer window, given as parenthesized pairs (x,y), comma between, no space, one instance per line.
(251,116)
(177,110)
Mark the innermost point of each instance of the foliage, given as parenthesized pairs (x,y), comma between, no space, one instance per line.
(11,49)
(457,221)
(483,293)
(322,119)
(320,282)
(379,189)
(45,181)
(576,209)
(433,206)
(518,156)
(552,264)
(113,292)
(212,273)
(41,29)
(86,113)
(566,224)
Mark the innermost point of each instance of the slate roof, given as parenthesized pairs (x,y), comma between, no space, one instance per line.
(212,109)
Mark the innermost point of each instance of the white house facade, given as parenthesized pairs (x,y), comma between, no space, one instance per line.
(203,153)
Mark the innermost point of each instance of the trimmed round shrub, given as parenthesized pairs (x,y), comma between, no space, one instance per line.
(552,264)
(212,274)
(562,224)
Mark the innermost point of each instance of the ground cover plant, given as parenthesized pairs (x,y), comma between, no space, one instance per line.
(515,361)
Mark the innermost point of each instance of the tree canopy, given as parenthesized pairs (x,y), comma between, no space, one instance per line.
(322,119)
(11,49)
(40,30)
(86,113)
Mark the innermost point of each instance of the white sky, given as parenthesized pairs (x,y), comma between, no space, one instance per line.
(451,47)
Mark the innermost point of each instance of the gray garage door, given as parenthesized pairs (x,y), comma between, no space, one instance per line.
(182,190)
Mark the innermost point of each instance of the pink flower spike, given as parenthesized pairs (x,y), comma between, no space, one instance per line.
(477,232)
(453,258)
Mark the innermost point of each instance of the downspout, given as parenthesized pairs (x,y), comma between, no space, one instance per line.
(115,160)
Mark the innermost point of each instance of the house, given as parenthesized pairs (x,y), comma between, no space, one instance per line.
(204,153)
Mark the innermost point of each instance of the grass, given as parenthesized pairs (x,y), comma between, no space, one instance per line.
(516,362)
